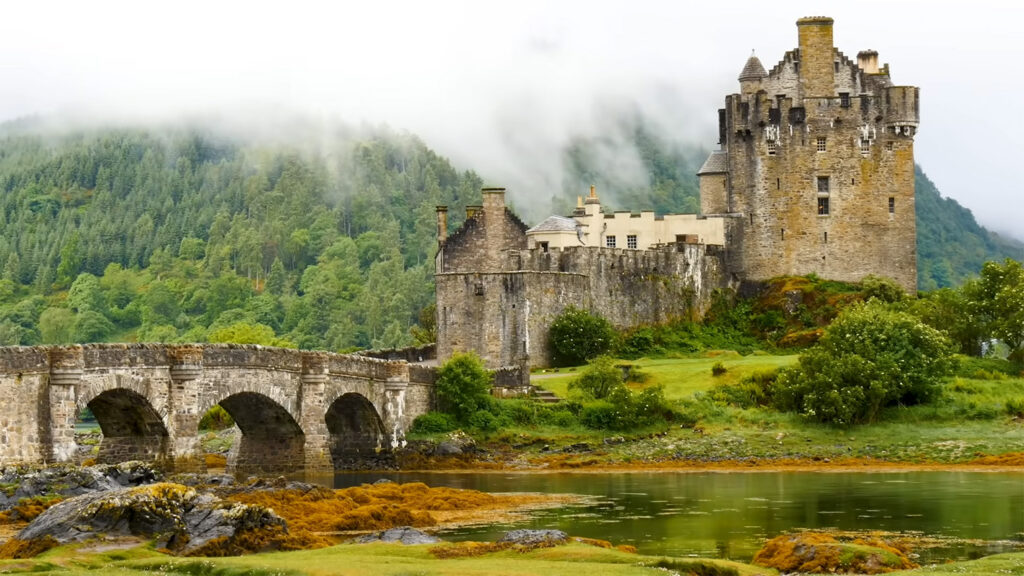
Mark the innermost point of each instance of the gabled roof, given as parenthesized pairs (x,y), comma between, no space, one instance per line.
(555,224)
(717,163)
(753,70)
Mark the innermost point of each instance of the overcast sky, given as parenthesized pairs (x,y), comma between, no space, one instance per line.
(498,87)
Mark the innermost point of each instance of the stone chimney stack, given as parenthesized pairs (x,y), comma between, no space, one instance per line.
(868,61)
(442,224)
(817,57)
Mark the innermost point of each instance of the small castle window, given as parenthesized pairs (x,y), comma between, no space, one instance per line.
(865,146)
(823,187)
(783,234)
(844,99)
(773,146)
(778,184)
(609,241)
(892,205)
(821,143)
(826,237)
(823,206)
(631,241)
(478,289)
(837,66)
(888,146)
(544,247)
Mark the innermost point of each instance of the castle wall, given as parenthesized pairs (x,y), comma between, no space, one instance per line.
(504,317)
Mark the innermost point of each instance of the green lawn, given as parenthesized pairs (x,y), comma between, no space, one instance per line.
(681,377)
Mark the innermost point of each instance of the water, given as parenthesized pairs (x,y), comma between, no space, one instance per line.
(729,515)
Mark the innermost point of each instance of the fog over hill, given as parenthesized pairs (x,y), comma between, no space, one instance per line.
(505,88)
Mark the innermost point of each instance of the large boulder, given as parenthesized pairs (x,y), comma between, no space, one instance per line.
(67,481)
(182,519)
(821,552)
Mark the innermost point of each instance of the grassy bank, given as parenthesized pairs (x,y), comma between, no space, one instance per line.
(979,419)
(395,560)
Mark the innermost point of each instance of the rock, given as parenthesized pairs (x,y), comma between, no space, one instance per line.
(448,448)
(612,440)
(576,448)
(534,537)
(384,481)
(402,534)
(183,519)
(65,480)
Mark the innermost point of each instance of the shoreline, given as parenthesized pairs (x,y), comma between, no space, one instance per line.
(729,466)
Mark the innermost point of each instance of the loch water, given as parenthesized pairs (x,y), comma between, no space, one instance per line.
(730,514)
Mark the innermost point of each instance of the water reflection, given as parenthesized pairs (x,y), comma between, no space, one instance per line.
(730,514)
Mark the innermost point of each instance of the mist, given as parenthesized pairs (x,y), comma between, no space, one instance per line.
(502,88)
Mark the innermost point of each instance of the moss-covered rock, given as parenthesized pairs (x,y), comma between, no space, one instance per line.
(819,553)
(180,518)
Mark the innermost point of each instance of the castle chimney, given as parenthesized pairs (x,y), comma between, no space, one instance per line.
(442,223)
(494,200)
(868,61)
(592,199)
(472,210)
(817,57)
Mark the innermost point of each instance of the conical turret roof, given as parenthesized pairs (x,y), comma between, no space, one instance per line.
(753,70)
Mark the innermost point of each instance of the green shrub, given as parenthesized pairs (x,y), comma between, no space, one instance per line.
(717,369)
(599,379)
(883,289)
(463,386)
(868,359)
(216,418)
(485,421)
(1015,407)
(756,389)
(434,423)
(600,415)
(636,343)
(577,336)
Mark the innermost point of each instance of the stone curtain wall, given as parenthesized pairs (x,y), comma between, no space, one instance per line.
(505,316)
(149,399)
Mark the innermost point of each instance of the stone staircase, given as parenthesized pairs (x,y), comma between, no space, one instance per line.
(546,396)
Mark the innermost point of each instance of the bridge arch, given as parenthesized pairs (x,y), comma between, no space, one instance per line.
(132,429)
(355,427)
(270,439)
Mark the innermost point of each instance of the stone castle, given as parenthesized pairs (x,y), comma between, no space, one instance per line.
(815,174)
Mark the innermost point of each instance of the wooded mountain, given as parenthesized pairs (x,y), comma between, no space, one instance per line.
(174,234)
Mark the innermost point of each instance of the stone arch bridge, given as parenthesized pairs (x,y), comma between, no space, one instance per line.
(296,410)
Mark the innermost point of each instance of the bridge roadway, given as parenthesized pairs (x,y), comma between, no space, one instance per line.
(296,410)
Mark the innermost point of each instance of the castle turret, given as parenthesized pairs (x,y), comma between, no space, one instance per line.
(751,75)
(817,58)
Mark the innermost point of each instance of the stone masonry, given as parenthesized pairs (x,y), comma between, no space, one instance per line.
(816,168)
(295,410)
(498,298)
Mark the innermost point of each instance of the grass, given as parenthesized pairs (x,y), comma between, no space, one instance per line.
(681,377)
(383,559)
(980,413)
(397,560)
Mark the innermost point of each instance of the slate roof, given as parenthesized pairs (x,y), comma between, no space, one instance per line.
(555,224)
(717,163)
(753,70)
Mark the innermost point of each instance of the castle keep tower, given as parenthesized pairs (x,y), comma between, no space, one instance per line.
(816,168)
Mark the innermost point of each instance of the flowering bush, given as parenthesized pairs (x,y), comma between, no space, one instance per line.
(577,336)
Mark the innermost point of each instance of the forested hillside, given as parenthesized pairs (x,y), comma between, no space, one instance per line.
(189,235)
(182,236)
